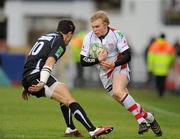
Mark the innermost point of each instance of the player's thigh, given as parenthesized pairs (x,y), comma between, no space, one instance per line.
(50,86)
(120,82)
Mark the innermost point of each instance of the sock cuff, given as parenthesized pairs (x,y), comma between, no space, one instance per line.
(124,97)
(73,103)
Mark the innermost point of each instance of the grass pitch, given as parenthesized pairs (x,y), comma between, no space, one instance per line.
(42,119)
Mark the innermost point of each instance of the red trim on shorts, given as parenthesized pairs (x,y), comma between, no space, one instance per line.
(110,72)
(122,66)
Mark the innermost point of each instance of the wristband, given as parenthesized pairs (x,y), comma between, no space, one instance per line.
(45,73)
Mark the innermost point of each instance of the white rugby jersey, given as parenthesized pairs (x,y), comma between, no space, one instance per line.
(114,42)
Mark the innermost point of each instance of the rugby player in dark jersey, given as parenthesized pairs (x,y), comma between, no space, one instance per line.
(38,81)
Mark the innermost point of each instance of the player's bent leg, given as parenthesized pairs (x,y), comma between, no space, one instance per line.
(59,92)
(62,94)
(120,93)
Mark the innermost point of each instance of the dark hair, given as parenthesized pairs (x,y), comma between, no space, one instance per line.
(65,26)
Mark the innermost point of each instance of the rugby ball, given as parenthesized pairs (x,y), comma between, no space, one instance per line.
(95,50)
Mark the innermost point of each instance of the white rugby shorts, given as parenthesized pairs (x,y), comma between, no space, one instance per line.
(107,79)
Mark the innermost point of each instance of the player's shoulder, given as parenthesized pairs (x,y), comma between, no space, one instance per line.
(54,35)
(117,33)
(48,36)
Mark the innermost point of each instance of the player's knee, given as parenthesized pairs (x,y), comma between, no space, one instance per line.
(61,88)
(63,85)
(65,94)
(68,102)
(118,93)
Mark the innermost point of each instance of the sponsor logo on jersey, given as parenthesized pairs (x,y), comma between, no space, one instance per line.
(120,34)
(59,52)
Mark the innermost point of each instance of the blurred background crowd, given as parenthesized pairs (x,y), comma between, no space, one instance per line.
(152,28)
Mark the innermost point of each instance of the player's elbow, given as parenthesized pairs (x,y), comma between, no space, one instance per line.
(82,61)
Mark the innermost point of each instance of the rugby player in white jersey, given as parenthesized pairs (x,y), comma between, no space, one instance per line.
(113,69)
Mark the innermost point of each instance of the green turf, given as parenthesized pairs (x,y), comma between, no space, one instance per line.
(41,119)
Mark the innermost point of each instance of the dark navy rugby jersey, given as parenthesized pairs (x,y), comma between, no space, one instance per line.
(51,44)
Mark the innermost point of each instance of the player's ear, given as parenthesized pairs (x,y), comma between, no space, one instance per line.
(70,33)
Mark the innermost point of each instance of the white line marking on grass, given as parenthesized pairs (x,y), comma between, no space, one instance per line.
(162,111)
(154,108)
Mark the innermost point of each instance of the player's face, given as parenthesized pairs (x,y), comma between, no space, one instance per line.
(68,38)
(99,27)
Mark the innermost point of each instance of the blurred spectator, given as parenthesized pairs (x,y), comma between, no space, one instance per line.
(161,55)
(177,46)
(150,77)
(76,45)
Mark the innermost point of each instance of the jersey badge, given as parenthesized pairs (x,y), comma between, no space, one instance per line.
(59,51)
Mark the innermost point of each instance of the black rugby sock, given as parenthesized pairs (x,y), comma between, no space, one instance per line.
(67,116)
(81,116)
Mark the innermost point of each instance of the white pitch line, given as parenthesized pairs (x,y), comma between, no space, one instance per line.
(156,109)
(162,111)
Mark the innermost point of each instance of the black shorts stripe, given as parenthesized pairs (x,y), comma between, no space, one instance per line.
(109,88)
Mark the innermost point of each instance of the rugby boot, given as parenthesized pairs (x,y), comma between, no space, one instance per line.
(72,133)
(100,131)
(155,127)
(143,127)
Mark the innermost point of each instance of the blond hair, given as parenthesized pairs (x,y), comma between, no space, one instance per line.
(100,15)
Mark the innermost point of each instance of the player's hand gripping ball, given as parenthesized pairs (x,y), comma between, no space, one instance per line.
(95,50)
